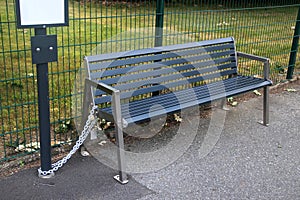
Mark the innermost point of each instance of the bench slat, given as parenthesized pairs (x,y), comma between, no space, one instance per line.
(169,63)
(213,89)
(155,50)
(198,67)
(155,57)
(204,100)
(232,86)
(154,88)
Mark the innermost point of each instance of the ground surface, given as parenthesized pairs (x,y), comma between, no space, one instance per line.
(248,161)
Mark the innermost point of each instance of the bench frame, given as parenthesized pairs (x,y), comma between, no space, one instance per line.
(90,85)
(266,62)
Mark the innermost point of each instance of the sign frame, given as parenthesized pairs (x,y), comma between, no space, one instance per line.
(41,25)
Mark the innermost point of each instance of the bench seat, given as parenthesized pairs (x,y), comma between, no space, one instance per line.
(172,102)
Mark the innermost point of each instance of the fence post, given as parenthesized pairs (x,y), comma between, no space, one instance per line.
(294,49)
(159,23)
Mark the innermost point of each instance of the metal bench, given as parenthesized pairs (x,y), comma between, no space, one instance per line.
(125,85)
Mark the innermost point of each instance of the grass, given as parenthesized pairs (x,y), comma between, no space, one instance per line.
(117,27)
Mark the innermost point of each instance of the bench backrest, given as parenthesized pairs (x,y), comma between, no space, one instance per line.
(141,73)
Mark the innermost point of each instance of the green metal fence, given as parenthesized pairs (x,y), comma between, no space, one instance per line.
(259,27)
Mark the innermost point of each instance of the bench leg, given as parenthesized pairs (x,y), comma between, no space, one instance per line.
(265,121)
(86,104)
(122,176)
(224,104)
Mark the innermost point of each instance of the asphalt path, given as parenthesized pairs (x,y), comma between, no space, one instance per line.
(246,161)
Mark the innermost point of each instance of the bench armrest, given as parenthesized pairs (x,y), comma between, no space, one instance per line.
(266,62)
(116,102)
(253,57)
(101,86)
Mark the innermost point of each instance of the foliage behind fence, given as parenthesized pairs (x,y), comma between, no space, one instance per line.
(264,28)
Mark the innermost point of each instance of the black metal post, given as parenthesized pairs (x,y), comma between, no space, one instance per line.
(44,113)
(294,49)
(159,23)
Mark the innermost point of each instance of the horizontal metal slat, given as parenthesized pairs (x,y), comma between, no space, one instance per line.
(155,88)
(177,68)
(162,80)
(111,56)
(200,92)
(245,84)
(132,69)
(240,82)
(156,57)
(199,67)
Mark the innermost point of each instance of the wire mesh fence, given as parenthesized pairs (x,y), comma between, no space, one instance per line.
(264,28)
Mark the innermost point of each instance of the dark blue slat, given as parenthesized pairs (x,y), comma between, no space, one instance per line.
(169,63)
(162,86)
(214,88)
(205,97)
(154,57)
(199,67)
(164,81)
(195,66)
(156,50)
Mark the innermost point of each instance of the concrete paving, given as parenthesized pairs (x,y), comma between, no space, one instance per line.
(246,161)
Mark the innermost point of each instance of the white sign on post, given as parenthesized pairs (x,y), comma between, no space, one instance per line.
(41,13)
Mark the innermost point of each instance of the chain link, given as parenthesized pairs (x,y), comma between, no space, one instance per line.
(90,123)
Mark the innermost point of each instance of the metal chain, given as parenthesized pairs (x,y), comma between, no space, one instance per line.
(90,123)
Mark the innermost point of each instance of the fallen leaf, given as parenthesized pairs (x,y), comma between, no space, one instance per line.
(35,145)
(257,92)
(177,118)
(257,76)
(230,99)
(291,90)
(29,150)
(235,103)
(102,143)
(223,24)
(29,74)
(21,147)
